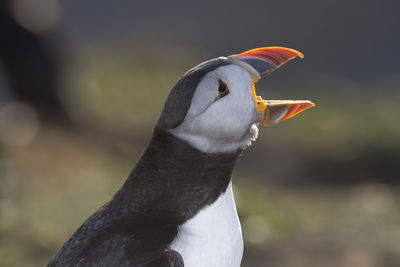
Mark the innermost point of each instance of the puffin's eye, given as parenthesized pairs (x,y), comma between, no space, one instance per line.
(223,89)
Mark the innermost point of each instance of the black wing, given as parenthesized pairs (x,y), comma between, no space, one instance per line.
(169,258)
(110,237)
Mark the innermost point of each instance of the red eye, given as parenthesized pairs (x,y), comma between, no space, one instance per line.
(223,89)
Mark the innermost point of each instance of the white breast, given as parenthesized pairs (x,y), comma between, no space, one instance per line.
(213,237)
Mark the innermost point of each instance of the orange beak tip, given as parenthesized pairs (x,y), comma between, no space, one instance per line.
(308,105)
(299,54)
(276,111)
(296,108)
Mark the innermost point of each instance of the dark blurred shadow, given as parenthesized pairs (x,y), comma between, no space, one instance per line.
(31,65)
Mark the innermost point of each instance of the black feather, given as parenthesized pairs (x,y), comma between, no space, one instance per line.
(171,182)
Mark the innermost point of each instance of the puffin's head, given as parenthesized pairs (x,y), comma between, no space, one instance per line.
(214,106)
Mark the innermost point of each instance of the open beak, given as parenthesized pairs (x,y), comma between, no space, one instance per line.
(259,63)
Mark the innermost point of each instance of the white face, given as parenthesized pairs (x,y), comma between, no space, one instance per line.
(223,124)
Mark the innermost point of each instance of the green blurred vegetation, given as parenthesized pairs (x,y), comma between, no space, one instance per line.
(51,185)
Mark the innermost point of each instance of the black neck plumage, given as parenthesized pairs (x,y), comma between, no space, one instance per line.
(171,182)
(174,180)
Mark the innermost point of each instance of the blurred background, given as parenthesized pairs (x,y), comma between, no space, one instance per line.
(82,84)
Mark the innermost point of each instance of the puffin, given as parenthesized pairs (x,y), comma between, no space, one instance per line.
(176,208)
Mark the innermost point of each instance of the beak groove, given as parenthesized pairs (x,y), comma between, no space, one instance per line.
(264,60)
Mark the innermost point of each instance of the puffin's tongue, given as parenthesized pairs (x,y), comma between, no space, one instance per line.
(280,110)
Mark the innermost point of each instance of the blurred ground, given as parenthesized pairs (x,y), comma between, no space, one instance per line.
(51,186)
(321,189)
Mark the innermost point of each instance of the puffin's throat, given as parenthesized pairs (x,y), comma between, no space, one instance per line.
(181,178)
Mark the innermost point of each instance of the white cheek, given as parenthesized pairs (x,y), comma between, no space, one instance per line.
(227,120)
(222,125)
